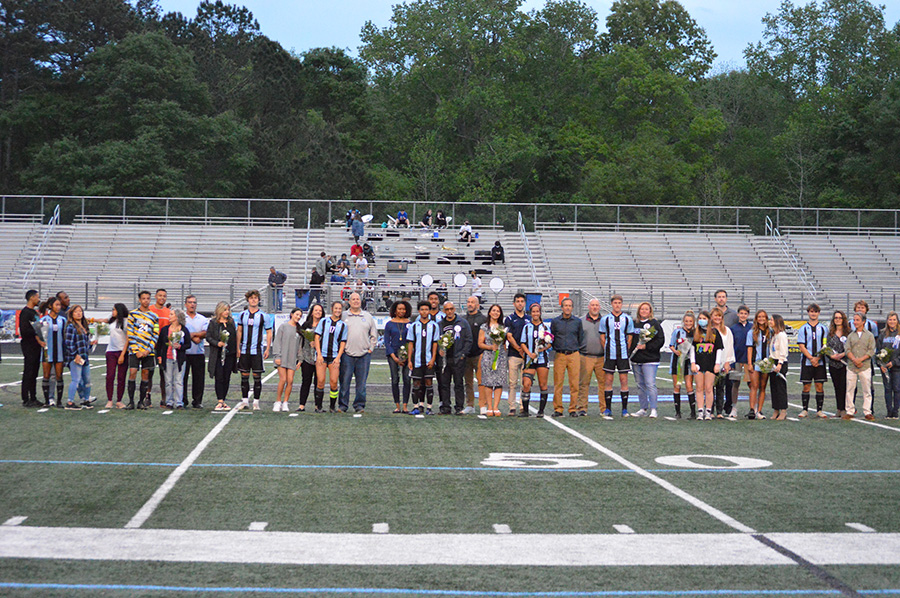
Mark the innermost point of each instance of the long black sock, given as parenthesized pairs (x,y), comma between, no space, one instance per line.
(608,394)
(676,396)
(692,401)
(429,395)
(131,385)
(146,394)
(45,386)
(526,398)
(257,386)
(143,393)
(804,398)
(245,387)
(820,401)
(543,401)
(319,397)
(624,395)
(59,392)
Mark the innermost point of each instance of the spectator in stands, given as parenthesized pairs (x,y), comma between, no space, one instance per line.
(811,338)
(196,325)
(872,326)
(722,383)
(498,254)
(221,334)
(142,329)
(472,372)
(778,379)
(78,350)
(53,327)
(164,314)
(286,357)
(515,323)
(758,341)
(116,368)
(32,345)
(591,360)
(253,330)
(308,356)
(356,250)
(454,359)
(537,362)
(440,220)
(568,339)
(645,360)
(476,286)
(494,365)
(679,343)
(348,217)
(343,262)
(361,268)
(276,287)
(426,219)
(369,253)
(174,341)
(394,339)
(362,334)
(616,331)
(322,263)
(316,280)
(837,366)
(465,233)
(402,219)
(357,227)
(730,316)
(740,370)
(890,375)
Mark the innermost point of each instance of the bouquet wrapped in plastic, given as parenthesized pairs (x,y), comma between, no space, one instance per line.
(498,337)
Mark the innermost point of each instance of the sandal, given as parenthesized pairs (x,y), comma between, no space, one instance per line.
(397,410)
(109,405)
(221,407)
(120,405)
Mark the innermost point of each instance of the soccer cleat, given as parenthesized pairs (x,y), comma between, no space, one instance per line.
(429,411)
(653,414)
(821,414)
(803,414)
(625,413)
(276,406)
(256,404)
(522,413)
(607,412)
(319,410)
(540,415)
(415,412)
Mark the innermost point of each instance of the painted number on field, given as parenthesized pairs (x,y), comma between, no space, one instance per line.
(537,461)
(722,462)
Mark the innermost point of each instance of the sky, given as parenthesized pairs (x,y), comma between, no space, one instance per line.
(299,25)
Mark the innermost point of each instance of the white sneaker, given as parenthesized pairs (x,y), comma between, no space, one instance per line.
(244,404)
(640,413)
(733,414)
(284,407)
(484,410)
(256,404)
(468,410)
(708,415)
(276,406)
(653,414)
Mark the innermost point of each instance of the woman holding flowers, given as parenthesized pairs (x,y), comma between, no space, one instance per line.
(837,353)
(286,357)
(171,346)
(706,361)
(308,355)
(645,358)
(536,339)
(757,350)
(396,350)
(680,344)
(778,352)
(887,357)
(494,364)
(222,338)
(331,340)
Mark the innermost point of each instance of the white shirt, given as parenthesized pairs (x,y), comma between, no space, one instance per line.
(117,338)
(476,286)
(197,323)
(465,228)
(728,343)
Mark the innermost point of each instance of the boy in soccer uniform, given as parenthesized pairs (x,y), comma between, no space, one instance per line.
(142,330)
(252,326)
(331,339)
(811,338)
(422,342)
(616,333)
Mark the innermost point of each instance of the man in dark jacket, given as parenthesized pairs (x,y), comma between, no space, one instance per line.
(472,371)
(497,253)
(454,359)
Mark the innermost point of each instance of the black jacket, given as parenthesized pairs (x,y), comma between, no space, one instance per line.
(650,354)
(162,346)
(462,345)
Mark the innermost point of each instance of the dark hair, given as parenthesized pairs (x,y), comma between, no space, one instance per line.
(298,325)
(861,302)
(614,297)
(43,307)
(61,293)
(422,304)
(435,293)
(393,310)
(519,296)
(142,293)
(29,294)
(488,313)
(308,322)
(779,323)
(163,290)
(744,308)
(189,297)
(813,307)
(121,313)
(845,325)
(721,291)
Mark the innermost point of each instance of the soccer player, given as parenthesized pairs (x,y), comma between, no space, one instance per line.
(252,327)
(142,329)
(811,338)
(422,342)
(54,326)
(680,336)
(537,363)
(706,361)
(331,339)
(616,332)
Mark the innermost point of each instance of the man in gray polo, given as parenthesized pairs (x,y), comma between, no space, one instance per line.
(591,359)
(362,333)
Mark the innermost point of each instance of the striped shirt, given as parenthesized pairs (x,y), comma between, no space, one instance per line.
(253,327)
(423,335)
(529,338)
(760,347)
(617,330)
(55,336)
(331,336)
(142,328)
(813,338)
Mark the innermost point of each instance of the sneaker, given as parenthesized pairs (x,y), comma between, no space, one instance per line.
(759,415)
(640,413)
(707,416)
(256,404)
(72,407)
(803,414)
(653,414)
(284,406)
(607,412)
(557,414)
(540,415)
(361,410)
(731,417)
(821,414)
(415,411)
(276,406)
(582,413)
(625,413)
(468,411)
(179,407)
(244,404)
(869,417)
(678,415)
(733,414)
(86,405)
(751,415)
(522,413)
(319,410)
(429,411)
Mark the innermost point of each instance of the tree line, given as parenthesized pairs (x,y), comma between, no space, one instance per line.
(454,100)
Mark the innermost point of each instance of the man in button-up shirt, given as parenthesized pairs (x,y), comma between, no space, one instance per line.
(568,339)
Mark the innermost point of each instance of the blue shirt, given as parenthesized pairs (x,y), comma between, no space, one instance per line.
(514,325)
(617,329)
(394,337)
(331,334)
(813,339)
(740,340)
(529,338)
(760,348)
(423,336)
(55,338)
(253,330)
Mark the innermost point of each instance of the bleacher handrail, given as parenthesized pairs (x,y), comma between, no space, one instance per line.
(39,250)
(141,219)
(795,263)
(535,280)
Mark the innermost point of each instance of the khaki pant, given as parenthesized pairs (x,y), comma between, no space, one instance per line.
(864,376)
(471,374)
(562,364)
(516,364)
(591,366)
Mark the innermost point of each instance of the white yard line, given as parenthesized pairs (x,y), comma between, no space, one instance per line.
(93,367)
(15,521)
(860,527)
(258,526)
(381,528)
(623,529)
(502,528)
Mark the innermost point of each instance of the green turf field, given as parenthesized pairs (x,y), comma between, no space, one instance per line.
(395,505)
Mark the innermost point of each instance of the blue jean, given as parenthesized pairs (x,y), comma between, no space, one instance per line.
(891,382)
(174,383)
(350,366)
(81,381)
(645,376)
(277,298)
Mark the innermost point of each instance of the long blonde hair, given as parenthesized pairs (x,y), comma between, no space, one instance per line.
(221,306)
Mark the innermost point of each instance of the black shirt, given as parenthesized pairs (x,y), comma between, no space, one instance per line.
(27,317)
(475,321)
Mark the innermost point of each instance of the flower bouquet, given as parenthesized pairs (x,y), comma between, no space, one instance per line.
(767,366)
(446,341)
(645,335)
(884,356)
(544,341)
(224,336)
(684,344)
(176,338)
(498,337)
(309,335)
(403,353)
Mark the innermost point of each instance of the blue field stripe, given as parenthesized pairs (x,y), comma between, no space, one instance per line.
(446,468)
(424,592)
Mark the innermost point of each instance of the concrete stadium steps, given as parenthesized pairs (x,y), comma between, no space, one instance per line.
(19,244)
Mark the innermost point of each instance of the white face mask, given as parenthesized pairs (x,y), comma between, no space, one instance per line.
(702,323)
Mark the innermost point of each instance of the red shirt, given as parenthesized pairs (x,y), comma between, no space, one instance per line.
(356,250)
